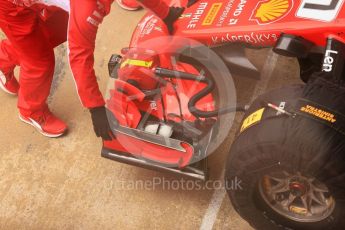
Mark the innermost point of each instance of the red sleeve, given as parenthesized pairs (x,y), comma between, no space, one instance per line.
(83,26)
(158,7)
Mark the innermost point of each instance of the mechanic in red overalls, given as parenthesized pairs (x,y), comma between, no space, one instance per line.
(33,28)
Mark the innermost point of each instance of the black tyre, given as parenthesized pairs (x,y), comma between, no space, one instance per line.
(291,170)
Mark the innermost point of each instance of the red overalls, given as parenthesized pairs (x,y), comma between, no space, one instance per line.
(34,30)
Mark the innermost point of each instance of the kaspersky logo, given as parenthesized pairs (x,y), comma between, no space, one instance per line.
(269,11)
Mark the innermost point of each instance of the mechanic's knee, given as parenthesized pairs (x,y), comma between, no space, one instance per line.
(38,68)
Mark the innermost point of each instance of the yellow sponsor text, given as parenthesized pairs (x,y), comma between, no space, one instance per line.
(319,113)
(252,119)
(139,63)
(212,14)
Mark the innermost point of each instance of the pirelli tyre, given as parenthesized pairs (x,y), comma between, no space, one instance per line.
(291,168)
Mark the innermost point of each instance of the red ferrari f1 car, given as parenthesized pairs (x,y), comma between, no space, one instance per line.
(174,99)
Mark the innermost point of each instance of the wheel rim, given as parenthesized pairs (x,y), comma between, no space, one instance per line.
(297,197)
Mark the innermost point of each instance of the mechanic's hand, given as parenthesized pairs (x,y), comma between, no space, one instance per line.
(174,14)
(101,123)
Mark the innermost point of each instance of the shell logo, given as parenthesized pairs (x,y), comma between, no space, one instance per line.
(272,10)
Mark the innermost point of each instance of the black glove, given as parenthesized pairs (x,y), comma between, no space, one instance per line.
(174,14)
(100,120)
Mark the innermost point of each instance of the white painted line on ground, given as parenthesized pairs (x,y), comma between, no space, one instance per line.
(212,211)
(266,75)
(218,196)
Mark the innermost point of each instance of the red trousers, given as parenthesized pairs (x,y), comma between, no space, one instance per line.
(30,43)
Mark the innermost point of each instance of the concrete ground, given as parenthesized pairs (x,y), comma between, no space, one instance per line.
(65,184)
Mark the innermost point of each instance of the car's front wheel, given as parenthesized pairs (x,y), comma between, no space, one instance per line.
(291,169)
